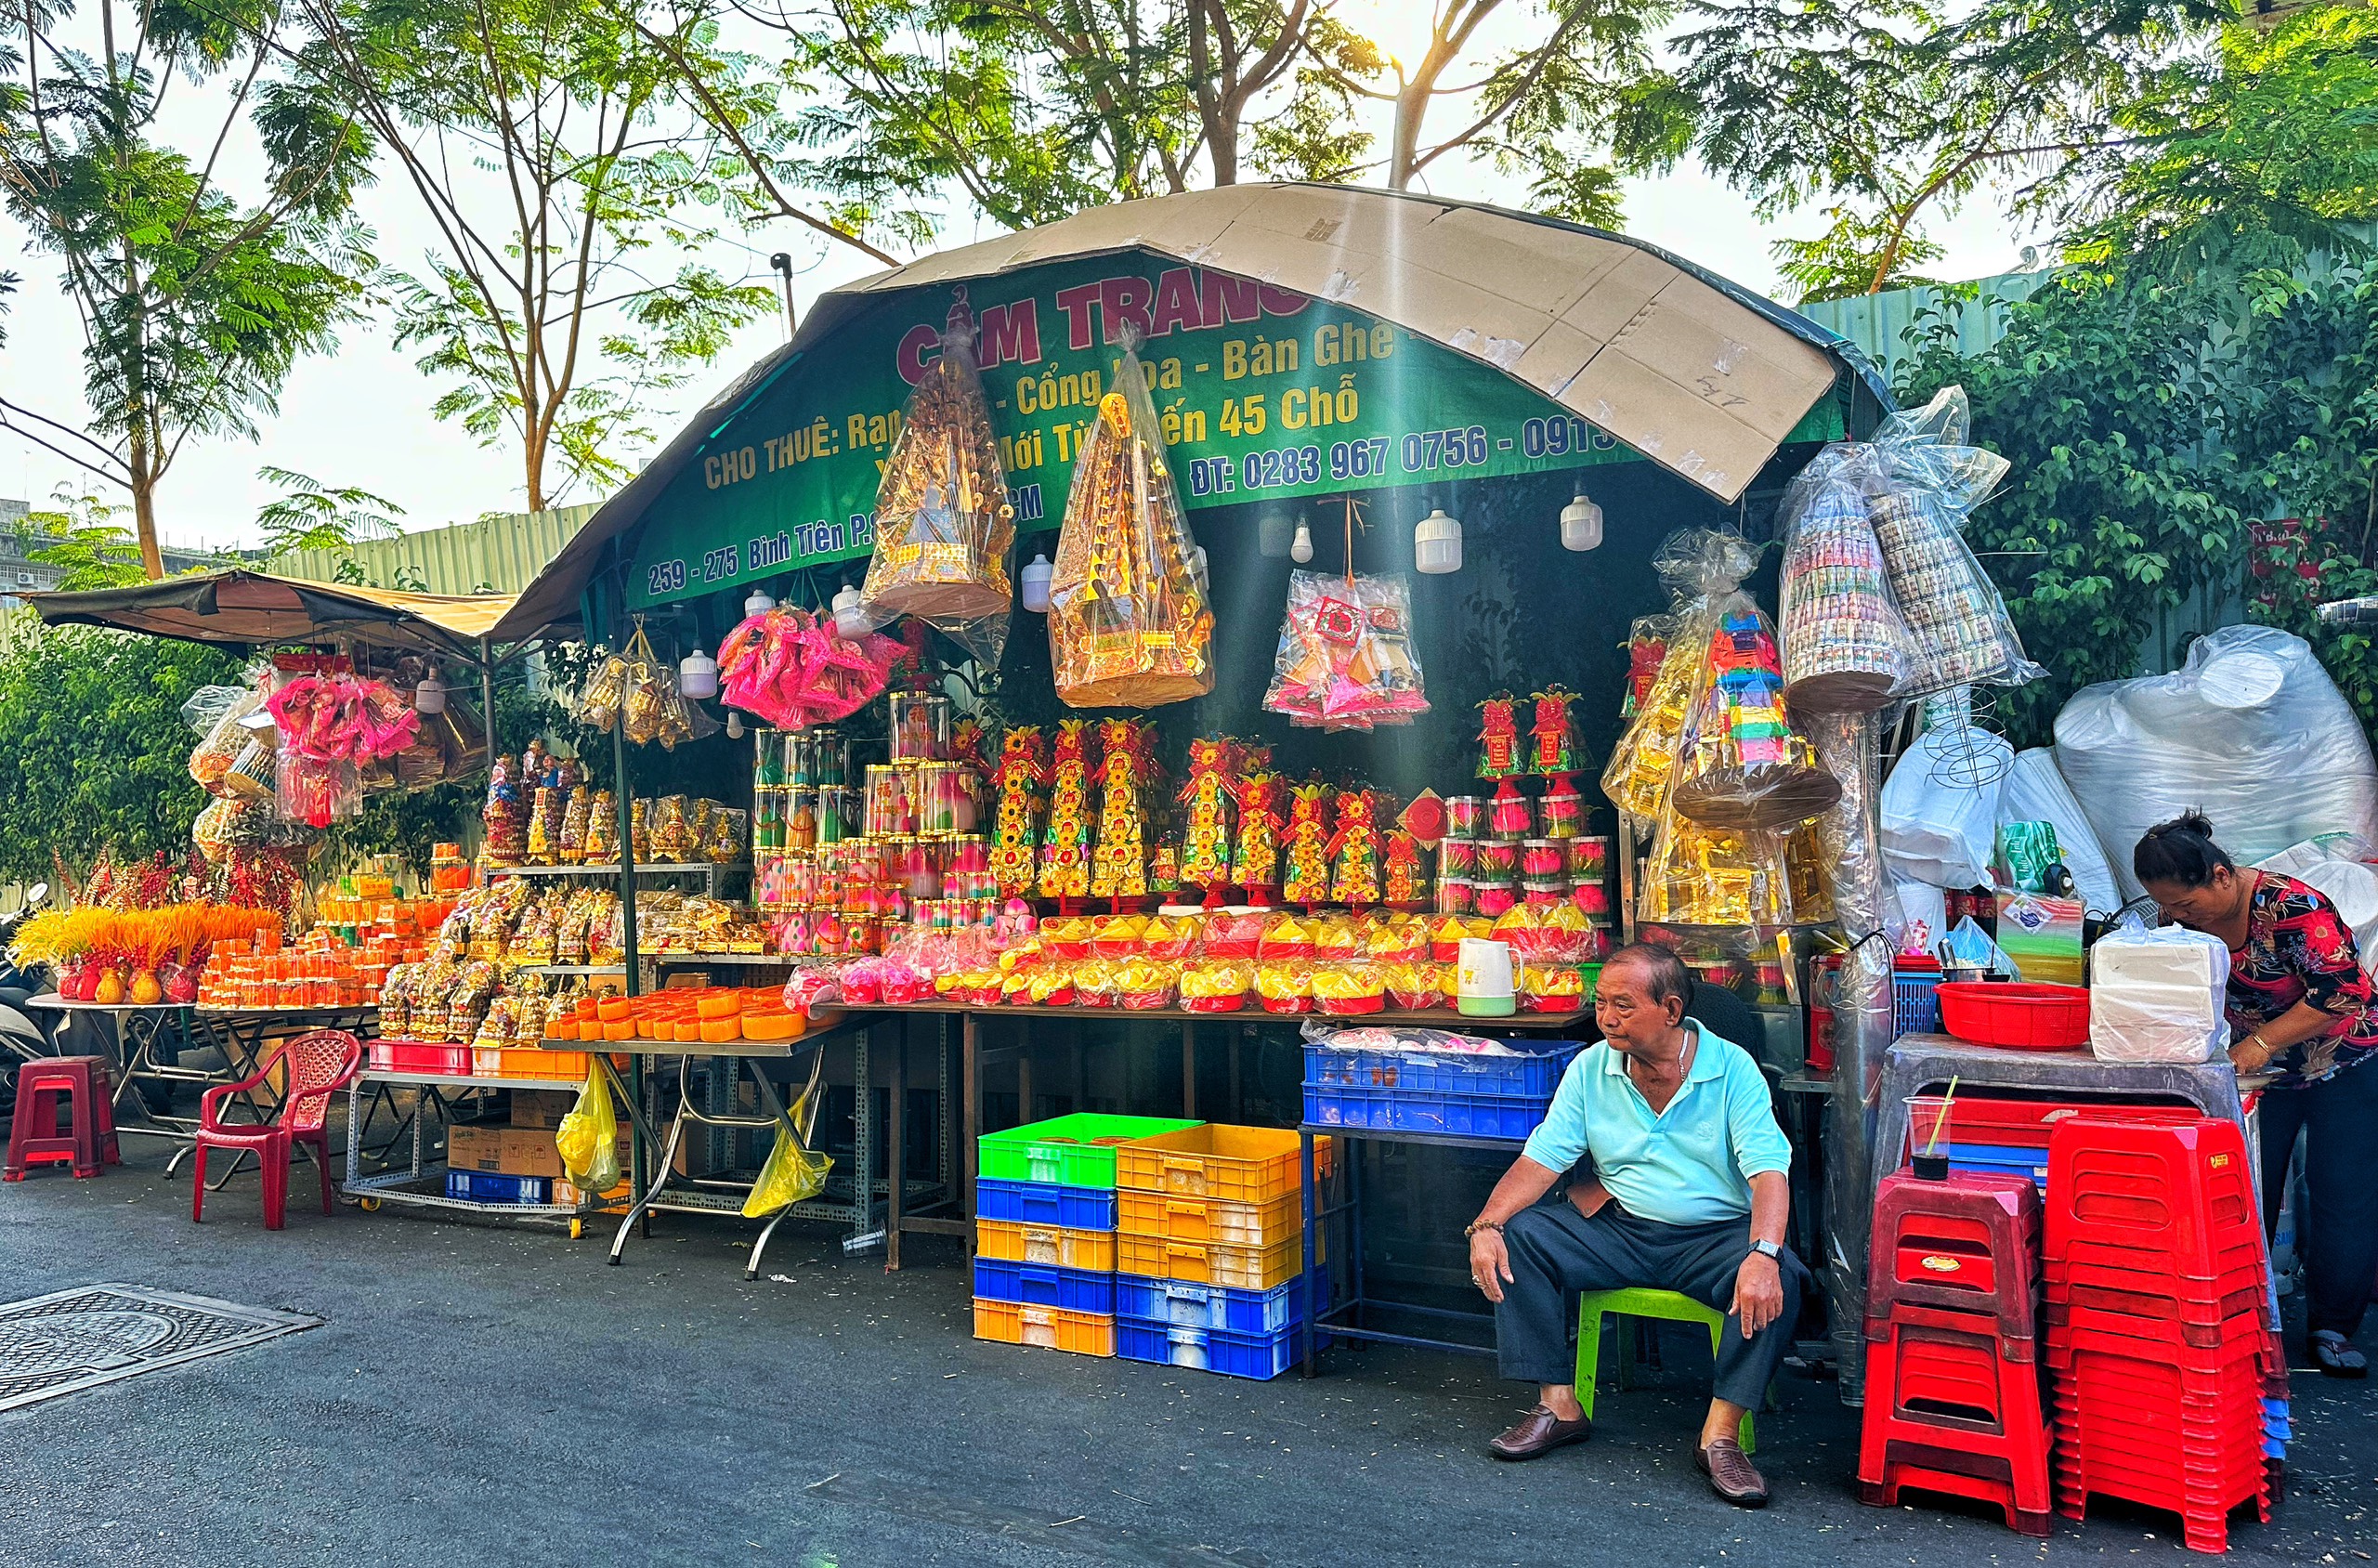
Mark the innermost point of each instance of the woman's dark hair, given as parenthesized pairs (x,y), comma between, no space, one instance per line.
(2180,850)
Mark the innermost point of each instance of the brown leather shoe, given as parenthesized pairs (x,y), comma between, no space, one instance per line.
(1730,1474)
(1539,1431)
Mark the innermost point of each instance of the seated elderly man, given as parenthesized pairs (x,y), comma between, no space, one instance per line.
(1688,1193)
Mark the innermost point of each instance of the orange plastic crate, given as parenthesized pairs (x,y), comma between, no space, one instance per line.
(1008,1241)
(1014,1322)
(1209,1221)
(1242,1164)
(562,1067)
(1239,1268)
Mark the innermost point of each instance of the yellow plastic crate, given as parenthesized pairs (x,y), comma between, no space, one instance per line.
(1243,1164)
(1013,1323)
(1209,1222)
(1010,1241)
(1239,1268)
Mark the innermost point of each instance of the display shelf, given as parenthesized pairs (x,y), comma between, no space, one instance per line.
(675,956)
(665,868)
(1434,1016)
(573,969)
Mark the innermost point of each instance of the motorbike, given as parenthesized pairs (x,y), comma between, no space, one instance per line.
(22,1038)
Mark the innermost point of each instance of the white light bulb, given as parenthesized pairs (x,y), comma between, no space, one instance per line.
(851,620)
(697,675)
(1036,583)
(1436,543)
(734,725)
(1580,524)
(758,603)
(1302,550)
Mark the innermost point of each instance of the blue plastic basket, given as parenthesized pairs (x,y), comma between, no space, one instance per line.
(1205,1350)
(1988,1160)
(1916,1002)
(1043,1285)
(1533,1075)
(1043,1203)
(486,1186)
(1471,1115)
(1184,1305)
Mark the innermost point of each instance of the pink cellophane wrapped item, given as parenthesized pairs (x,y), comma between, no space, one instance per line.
(793,669)
(1346,660)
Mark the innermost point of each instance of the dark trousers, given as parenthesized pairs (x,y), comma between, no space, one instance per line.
(2338,1236)
(1557,1252)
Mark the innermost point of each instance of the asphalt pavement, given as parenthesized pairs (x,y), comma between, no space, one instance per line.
(480,1395)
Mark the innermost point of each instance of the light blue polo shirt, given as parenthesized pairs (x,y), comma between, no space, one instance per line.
(1692,1164)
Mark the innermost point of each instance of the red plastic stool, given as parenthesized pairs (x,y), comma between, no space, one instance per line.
(33,1138)
(1966,1243)
(1949,1410)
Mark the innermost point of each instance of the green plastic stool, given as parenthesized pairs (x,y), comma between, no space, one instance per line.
(1668,1306)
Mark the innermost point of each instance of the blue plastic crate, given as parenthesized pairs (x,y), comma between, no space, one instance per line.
(1472,1116)
(486,1186)
(1916,1002)
(1984,1159)
(1044,1203)
(1185,1305)
(1043,1285)
(1205,1350)
(1533,1075)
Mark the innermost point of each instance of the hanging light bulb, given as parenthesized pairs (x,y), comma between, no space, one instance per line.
(1272,534)
(1302,550)
(734,725)
(1580,524)
(850,620)
(758,603)
(1436,543)
(697,675)
(429,697)
(1036,583)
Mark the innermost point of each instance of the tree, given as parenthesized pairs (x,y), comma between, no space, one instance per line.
(92,750)
(312,516)
(559,158)
(1034,110)
(86,542)
(1894,113)
(194,303)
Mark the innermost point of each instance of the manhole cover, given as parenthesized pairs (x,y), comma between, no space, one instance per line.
(96,1334)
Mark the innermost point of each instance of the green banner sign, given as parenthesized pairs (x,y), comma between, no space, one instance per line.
(1264,394)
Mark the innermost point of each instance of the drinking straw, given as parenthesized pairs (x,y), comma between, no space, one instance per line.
(1942,1117)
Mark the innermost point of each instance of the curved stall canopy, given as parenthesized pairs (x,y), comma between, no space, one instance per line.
(243,608)
(1307,339)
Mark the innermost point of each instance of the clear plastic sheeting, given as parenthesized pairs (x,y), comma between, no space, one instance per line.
(1940,805)
(1846,646)
(2251,731)
(2034,792)
(1850,836)
(2158,996)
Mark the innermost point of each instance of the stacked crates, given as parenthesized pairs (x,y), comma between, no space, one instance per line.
(1211,1248)
(1044,1230)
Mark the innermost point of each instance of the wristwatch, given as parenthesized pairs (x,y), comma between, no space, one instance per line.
(1770,1251)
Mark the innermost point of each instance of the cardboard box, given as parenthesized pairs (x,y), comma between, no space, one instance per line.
(476,1146)
(529,1151)
(542,1107)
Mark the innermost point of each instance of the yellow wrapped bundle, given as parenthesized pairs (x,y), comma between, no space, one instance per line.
(1285,988)
(1286,936)
(1417,985)
(1445,940)
(1343,989)
(1144,984)
(1094,983)
(1052,985)
(1337,937)
(1637,776)
(1699,875)
(1398,939)
(1216,985)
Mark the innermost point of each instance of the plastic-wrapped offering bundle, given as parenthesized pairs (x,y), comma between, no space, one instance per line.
(2158,996)
(1923,481)
(2250,730)
(1845,647)
(1130,621)
(1702,876)
(943,520)
(1346,660)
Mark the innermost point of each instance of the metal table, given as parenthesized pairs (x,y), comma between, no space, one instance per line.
(404,1187)
(1320,1320)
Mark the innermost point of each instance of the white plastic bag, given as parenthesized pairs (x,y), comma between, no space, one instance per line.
(2353,888)
(1941,807)
(2158,996)
(2034,792)
(2251,731)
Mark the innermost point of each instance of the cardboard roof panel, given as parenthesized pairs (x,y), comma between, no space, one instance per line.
(1667,424)
(1545,268)
(1732,377)
(1619,295)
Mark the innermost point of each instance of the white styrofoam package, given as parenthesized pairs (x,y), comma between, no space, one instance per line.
(2353,888)
(2158,996)
(1936,827)
(2251,731)
(2034,792)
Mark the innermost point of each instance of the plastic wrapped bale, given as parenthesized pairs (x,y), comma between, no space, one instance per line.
(943,520)
(1939,806)
(1130,620)
(2251,731)
(1697,875)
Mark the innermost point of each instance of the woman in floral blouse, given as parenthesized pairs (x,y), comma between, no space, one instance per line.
(2301,1005)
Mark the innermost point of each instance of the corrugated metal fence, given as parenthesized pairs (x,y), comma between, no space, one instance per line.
(498,553)
(1880,323)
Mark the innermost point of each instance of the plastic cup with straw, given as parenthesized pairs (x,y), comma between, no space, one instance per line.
(1930,1164)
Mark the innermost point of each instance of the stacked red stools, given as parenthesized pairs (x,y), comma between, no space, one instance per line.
(33,1138)
(2158,1346)
(1952,1392)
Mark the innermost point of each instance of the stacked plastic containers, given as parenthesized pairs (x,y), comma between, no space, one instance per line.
(2000,1137)
(2169,1384)
(1211,1248)
(1044,1229)
(1952,1392)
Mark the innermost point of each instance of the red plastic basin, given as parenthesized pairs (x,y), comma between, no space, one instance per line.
(2017,1017)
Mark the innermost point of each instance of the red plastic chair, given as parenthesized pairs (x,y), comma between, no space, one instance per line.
(320,1063)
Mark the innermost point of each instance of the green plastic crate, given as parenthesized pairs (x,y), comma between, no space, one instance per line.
(1075,1151)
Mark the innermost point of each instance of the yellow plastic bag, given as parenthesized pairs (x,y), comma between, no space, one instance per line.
(791,1174)
(588,1139)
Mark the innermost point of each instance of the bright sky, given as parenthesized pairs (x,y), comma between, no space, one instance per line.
(361,416)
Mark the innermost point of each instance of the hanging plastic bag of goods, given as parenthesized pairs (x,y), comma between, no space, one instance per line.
(1130,619)
(1346,660)
(1845,646)
(943,520)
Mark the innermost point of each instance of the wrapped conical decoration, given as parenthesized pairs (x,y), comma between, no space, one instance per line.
(1020,778)
(1206,802)
(1065,850)
(943,520)
(1307,879)
(1846,649)
(1130,625)
(1740,764)
(1119,865)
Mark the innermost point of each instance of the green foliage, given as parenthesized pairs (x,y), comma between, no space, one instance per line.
(309,515)
(85,541)
(93,749)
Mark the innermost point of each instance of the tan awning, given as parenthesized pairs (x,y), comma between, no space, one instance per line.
(253,608)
